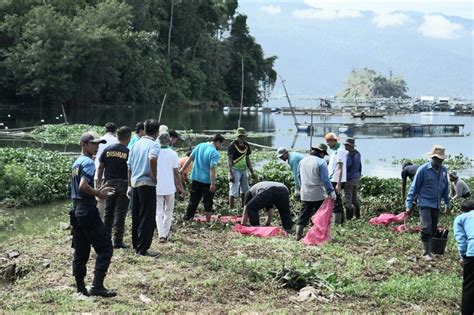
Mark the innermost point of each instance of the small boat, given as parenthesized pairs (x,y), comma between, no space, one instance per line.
(253,108)
(363,115)
(303,128)
(226,109)
(245,108)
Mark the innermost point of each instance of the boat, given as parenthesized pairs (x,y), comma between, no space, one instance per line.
(363,115)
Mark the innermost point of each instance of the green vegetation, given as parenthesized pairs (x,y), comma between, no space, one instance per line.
(32,176)
(80,52)
(455,163)
(63,134)
(367,83)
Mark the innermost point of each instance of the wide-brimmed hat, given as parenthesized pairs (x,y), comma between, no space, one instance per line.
(453,174)
(330,136)
(321,147)
(241,132)
(281,151)
(93,137)
(438,151)
(350,141)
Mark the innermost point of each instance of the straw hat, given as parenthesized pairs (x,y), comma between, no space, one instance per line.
(438,151)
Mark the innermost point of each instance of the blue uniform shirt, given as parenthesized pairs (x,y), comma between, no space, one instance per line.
(205,157)
(294,159)
(463,227)
(83,167)
(428,187)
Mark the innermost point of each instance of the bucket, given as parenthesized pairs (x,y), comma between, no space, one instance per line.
(438,245)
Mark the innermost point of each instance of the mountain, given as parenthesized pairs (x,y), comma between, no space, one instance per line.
(316,55)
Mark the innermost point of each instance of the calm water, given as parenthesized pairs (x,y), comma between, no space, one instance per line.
(378,147)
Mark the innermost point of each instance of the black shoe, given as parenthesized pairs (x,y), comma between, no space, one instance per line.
(121,245)
(81,286)
(149,254)
(98,289)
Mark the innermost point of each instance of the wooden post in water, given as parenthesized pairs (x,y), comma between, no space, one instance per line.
(64,114)
(241,95)
(161,110)
(289,102)
(311,132)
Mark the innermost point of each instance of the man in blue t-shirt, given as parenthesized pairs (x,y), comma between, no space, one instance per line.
(87,227)
(293,159)
(206,157)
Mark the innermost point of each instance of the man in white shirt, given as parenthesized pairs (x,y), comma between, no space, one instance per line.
(168,182)
(111,137)
(337,173)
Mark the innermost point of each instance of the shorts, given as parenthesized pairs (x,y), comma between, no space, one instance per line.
(241,181)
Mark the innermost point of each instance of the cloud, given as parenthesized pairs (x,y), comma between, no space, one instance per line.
(271,9)
(390,19)
(437,26)
(453,7)
(326,14)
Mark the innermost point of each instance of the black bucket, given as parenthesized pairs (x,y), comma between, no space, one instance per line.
(438,245)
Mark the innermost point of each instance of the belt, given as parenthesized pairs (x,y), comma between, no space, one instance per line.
(88,202)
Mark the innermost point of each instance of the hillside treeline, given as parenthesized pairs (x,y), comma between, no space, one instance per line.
(80,52)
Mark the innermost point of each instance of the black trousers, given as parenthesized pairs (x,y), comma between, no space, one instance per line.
(467,306)
(89,230)
(308,209)
(143,217)
(116,207)
(277,197)
(199,190)
(338,208)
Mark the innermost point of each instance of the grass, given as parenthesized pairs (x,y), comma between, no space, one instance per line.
(209,268)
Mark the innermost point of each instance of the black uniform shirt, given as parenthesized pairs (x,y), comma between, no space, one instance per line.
(115,158)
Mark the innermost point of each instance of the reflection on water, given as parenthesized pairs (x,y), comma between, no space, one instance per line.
(379,145)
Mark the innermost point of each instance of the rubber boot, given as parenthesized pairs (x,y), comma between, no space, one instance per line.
(242,200)
(427,250)
(81,286)
(231,202)
(98,288)
(339,218)
(299,232)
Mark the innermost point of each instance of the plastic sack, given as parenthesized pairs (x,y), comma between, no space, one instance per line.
(321,229)
(403,228)
(260,231)
(223,219)
(387,218)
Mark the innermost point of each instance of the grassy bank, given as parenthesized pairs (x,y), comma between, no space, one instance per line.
(210,268)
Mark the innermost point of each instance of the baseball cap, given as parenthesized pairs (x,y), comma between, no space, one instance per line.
(91,136)
(321,147)
(330,136)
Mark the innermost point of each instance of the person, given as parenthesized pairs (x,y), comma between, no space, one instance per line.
(205,157)
(353,174)
(175,138)
(315,185)
(337,173)
(463,227)
(113,166)
(142,165)
(408,171)
(459,188)
(238,163)
(169,182)
(266,195)
(185,172)
(87,227)
(139,132)
(110,138)
(293,158)
(429,186)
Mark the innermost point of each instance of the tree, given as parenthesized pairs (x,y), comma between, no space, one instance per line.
(367,83)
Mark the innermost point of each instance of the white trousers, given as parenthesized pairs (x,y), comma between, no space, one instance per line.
(164,214)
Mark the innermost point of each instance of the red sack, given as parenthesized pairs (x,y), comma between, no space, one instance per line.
(321,229)
(260,231)
(387,218)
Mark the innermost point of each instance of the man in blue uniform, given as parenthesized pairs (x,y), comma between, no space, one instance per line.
(87,227)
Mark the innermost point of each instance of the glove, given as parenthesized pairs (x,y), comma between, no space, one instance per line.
(333,195)
(129,192)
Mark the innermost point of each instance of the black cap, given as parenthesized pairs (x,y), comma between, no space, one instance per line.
(93,137)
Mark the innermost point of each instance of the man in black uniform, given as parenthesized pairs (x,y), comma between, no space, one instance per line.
(87,227)
(408,171)
(114,162)
(266,195)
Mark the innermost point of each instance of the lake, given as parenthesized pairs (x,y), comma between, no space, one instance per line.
(378,147)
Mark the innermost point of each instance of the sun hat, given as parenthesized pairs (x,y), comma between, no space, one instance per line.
(93,137)
(281,151)
(438,151)
(453,174)
(241,132)
(320,147)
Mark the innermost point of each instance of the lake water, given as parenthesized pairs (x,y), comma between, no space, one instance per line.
(378,147)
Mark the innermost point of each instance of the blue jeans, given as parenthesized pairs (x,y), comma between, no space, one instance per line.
(241,181)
